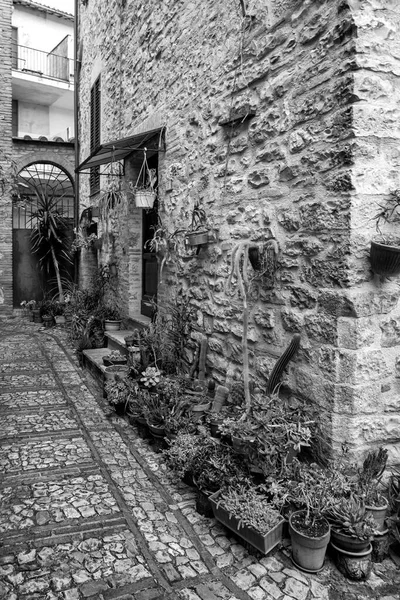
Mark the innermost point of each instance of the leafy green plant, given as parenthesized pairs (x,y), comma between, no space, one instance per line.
(49,233)
(370,477)
(250,507)
(120,390)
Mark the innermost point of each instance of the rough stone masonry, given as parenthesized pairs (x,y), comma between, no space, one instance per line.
(281,119)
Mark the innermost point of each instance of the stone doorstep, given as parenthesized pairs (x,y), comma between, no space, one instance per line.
(93,358)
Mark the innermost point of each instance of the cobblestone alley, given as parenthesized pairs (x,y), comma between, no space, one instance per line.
(88,509)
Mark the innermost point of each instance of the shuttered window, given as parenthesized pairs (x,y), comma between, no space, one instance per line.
(95,112)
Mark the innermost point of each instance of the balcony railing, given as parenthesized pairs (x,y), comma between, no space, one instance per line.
(43,64)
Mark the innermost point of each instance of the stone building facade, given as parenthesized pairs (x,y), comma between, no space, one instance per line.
(280,118)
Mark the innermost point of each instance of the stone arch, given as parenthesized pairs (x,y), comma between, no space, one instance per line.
(53,158)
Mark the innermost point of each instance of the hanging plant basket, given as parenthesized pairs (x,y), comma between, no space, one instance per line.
(385,260)
(144,190)
(145,198)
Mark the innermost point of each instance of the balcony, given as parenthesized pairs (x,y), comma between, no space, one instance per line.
(42,64)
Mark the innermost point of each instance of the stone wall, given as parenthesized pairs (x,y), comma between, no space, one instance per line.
(264,128)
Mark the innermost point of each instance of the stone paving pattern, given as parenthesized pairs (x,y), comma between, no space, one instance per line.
(88,509)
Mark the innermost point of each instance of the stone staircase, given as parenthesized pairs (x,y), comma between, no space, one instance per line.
(115,340)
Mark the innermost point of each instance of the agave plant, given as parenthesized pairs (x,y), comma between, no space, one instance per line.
(349,516)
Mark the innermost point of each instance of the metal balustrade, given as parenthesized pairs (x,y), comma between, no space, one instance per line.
(43,64)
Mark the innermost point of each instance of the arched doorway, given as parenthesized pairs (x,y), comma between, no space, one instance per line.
(43,208)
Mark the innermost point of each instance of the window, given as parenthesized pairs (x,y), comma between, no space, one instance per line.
(14,47)
(15,118)
(95,111)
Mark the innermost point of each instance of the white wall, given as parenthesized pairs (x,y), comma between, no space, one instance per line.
(40,31)
(59,120)
(33,119)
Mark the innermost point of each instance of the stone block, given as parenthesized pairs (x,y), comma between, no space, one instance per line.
(361,366)
(390,333)
(357,399)
(321,328)
(302,297)
(258,178)
(291,321)
(264,318)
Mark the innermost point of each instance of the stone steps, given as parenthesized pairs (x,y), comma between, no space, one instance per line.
(93,358)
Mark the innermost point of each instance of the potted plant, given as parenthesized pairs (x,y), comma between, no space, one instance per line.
(247,512)
(181,453)
(119,391)
(308,527)
(114,358)
(370,486)
(145,188)
(200,405)
(150,377)
(242,433)
(353,529)
(111,318)
(163,244)
(385,251)
(198,232)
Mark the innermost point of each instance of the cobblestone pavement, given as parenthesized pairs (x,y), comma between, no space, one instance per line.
(88,509)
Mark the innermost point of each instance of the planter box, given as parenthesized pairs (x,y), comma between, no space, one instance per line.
(263,543)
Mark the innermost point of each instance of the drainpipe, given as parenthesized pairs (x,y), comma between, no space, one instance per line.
(76,97)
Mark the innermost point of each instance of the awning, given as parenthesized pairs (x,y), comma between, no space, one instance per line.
(120,149)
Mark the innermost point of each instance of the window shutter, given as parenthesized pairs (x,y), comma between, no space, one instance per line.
(95,125)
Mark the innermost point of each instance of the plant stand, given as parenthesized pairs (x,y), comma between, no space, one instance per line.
(380,546)
(354,565)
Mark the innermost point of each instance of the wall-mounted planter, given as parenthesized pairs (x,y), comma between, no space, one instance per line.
(196,238)
(385,260)
(144,198)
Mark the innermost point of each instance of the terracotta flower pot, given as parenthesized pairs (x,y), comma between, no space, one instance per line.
(308,553)
(379,513)
(348,542)
(110,325)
